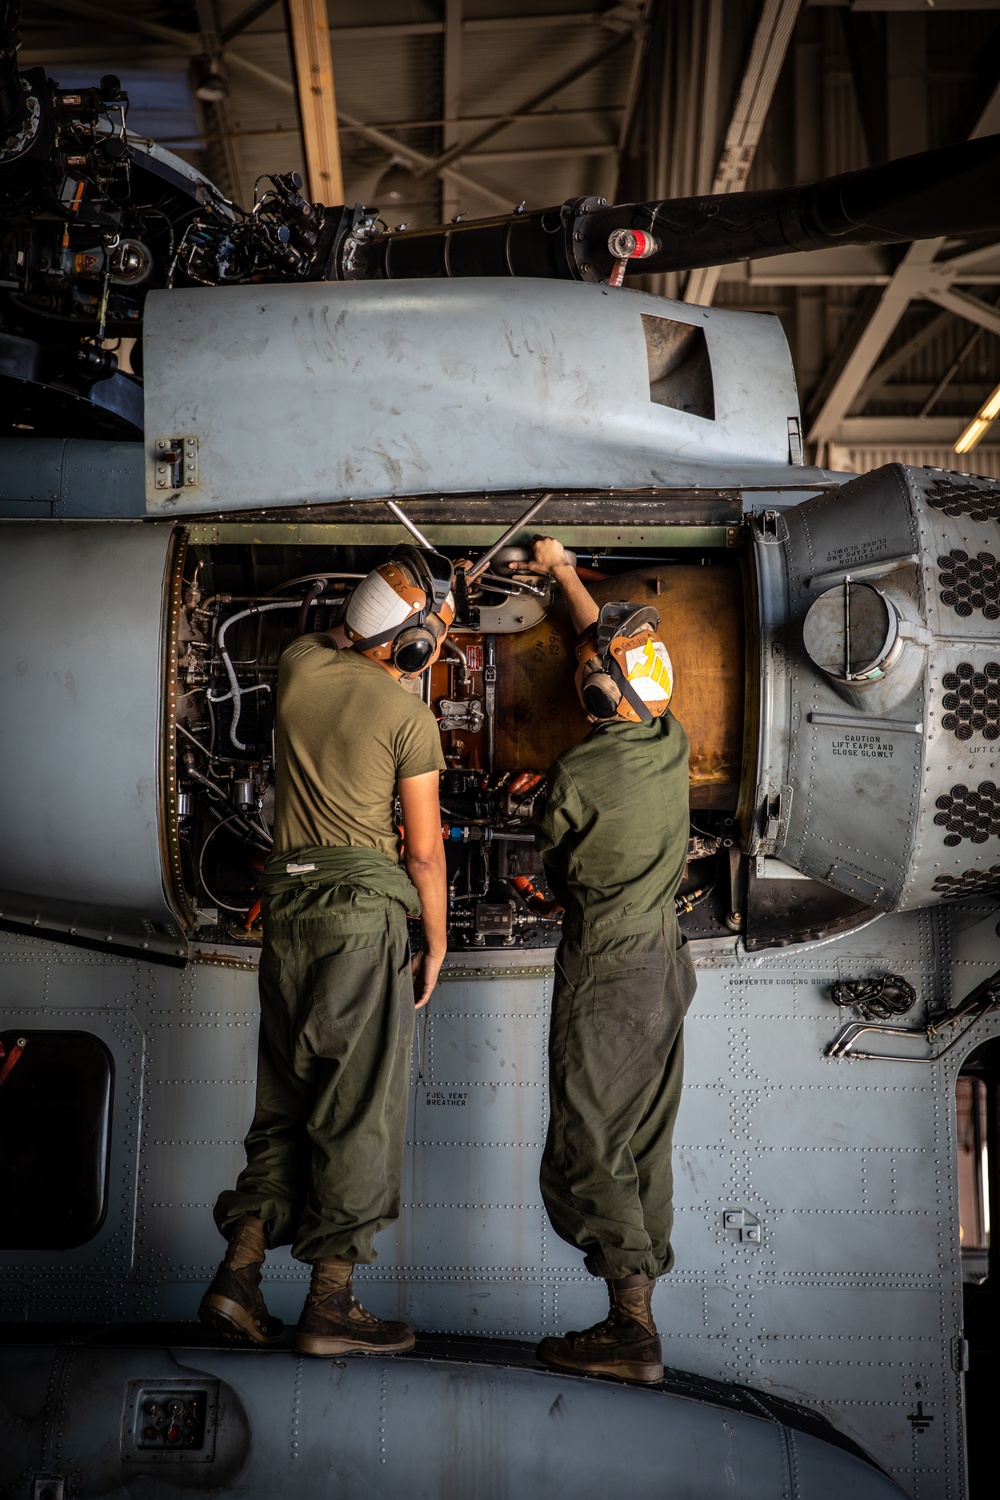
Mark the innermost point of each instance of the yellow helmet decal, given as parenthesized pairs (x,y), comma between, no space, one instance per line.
(649,669)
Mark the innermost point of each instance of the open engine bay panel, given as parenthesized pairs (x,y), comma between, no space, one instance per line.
(502,693)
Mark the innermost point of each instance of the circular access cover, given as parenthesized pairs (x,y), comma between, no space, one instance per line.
(850,632)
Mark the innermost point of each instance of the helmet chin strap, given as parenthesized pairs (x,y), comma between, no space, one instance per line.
(626,689)
(383,637)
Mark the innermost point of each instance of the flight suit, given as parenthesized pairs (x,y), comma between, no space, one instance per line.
(325,1147)
(613,838)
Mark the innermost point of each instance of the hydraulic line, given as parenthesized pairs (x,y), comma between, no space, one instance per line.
(201,867)
(311,578)
(255,830)
(309,599)
(236,692)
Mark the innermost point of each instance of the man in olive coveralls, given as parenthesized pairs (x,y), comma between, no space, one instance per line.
(325,1148)
(613,836)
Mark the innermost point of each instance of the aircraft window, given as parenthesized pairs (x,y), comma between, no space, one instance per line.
(55,1124)
(680,370)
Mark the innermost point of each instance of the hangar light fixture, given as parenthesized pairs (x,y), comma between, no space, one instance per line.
(980,424)
(210,81)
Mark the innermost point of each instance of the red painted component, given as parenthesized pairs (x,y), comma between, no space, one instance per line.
(12,1058)
(590,575)
(533,898)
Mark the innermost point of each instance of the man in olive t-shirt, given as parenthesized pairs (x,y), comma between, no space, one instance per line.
(325,1148)
(346,730)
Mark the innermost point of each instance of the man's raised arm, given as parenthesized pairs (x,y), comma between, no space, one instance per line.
(423,856)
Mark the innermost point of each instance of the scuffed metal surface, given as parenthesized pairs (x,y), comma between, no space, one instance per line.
(310,394)
(850,1298)
(81,611)
(872,788)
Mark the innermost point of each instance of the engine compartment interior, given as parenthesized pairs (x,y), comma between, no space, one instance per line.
(503,696)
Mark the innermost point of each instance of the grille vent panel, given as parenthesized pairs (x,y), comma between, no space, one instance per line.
(970,583)
(973,882)
(970,813)
(972,500)
(971,701)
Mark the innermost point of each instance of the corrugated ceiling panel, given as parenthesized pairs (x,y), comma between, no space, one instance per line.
(844,147)
(928,363)
(395,79)
(256,108)
(383,13)
(984,462)
(501,70)
(543,181)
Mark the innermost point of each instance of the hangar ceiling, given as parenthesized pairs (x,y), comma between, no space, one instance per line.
(449,107)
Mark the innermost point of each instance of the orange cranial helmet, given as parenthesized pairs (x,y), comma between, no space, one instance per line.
(624,671)
(403,609)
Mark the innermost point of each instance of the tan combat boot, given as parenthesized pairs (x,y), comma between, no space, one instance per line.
(334,1322)
(233,1304)
(625,1345)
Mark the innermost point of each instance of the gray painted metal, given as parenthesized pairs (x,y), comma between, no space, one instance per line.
(849,1303)
(306,394)
(82,614)
(71,477)
(433,1430)
(864,785)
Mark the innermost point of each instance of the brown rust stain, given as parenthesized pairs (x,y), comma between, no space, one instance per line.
(701,623)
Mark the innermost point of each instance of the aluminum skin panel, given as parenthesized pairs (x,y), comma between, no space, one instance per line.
(888,791)
(81,713)
(957,837)
(851,785)
(71,477)
(309,394)
(850,1301)
(424,1428)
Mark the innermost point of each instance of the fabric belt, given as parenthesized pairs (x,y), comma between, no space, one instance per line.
(361,869)
(590,936)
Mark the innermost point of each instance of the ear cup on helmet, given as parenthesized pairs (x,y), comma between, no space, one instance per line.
(412,649)
(600,696)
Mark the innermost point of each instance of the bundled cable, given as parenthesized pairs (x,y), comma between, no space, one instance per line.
(877,999)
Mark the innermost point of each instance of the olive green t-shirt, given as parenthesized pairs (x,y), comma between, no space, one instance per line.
(347,732)
(613,834)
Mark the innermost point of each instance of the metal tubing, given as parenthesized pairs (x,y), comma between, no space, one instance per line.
(487,557)
(404,519)
(220,640)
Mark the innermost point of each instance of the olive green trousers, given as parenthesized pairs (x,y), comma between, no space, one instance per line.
(325,1148)
(616,1063)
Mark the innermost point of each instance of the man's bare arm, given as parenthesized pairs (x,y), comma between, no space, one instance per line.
(549,556)
(423,856)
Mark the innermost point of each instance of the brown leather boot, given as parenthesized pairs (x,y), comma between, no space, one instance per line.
(233,1304)
(334,1322)
(625,1345)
